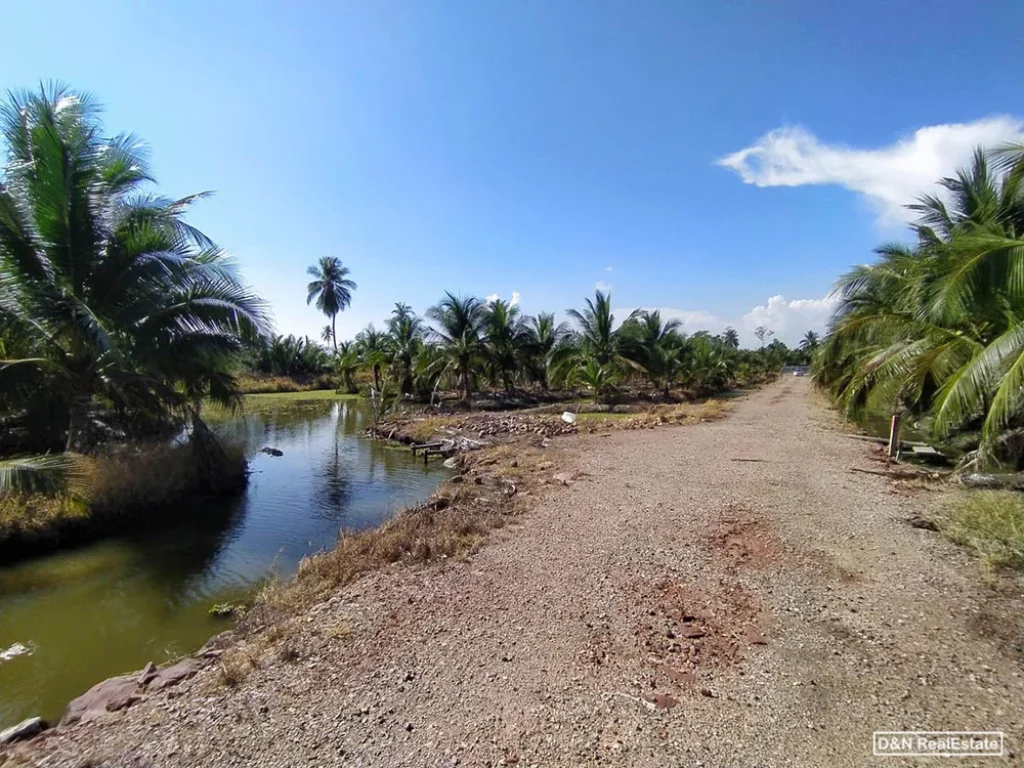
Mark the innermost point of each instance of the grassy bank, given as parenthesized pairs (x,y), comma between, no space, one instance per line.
(108,493)
(990,524)
(252,384)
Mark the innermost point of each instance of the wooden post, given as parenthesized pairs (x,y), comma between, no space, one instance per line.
(894,436)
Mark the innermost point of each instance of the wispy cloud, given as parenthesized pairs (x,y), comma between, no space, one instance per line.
(607,269)
(890,177)
(602,286)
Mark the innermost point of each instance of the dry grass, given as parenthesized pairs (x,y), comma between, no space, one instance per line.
(990,524)
(236,664)
(426,428)
(252,385)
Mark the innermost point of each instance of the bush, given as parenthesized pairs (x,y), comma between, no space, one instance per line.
(110,491)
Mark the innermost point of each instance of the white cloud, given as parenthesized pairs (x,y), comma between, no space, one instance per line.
(790,319)
(607,269)
(602,286)
(494,297)
(890,177)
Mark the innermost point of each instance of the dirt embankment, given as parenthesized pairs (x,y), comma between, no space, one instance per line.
(729,594)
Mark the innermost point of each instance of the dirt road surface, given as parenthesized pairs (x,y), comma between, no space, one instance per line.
(725,594)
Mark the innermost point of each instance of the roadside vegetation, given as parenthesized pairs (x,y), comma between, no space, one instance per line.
(936,330)
(990,524)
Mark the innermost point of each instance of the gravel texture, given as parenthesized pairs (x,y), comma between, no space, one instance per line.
(724,594)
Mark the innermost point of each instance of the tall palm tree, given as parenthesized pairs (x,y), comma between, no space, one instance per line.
(457,324)
(331,288)
(114,293)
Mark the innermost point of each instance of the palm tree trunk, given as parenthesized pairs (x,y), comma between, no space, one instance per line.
(466,385)
(78,422)
(334,331)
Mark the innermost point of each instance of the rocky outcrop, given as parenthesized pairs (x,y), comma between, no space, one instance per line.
(121,692)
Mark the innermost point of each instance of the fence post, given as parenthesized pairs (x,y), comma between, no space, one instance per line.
(894,436)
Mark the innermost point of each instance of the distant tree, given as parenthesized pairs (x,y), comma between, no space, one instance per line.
(731,338)
(810,341)
(763,334)
(327,334)
(331,289)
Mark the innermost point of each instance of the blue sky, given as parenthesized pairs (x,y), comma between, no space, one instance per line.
(696,156)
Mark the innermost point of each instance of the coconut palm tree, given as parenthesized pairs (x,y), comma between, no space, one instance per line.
(375,350)
(654,345)
(810,341)
(543,337)
(505,336)
(331,288)
(939,327)
(346,362)
(327,334)
(457,325)
(596,330)
(113,292)
(731,338)
(406,331)
(599,379)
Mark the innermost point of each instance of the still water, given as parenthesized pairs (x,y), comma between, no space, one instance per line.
(71,619)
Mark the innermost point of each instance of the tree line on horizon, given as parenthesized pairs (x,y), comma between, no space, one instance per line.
(465,344)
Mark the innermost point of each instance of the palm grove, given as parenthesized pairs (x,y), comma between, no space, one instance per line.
(464,344)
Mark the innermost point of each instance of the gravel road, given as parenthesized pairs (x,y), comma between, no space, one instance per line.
(724,594)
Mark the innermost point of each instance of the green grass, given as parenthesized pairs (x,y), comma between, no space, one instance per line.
(990,524)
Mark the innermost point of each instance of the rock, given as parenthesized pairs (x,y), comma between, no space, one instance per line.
(563,477)
(661,700)
(23,730)
(271,451)
(452,462)
(174,674)
(148,673)
(692,632)
(922,522)
(215,645)
(111,695)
